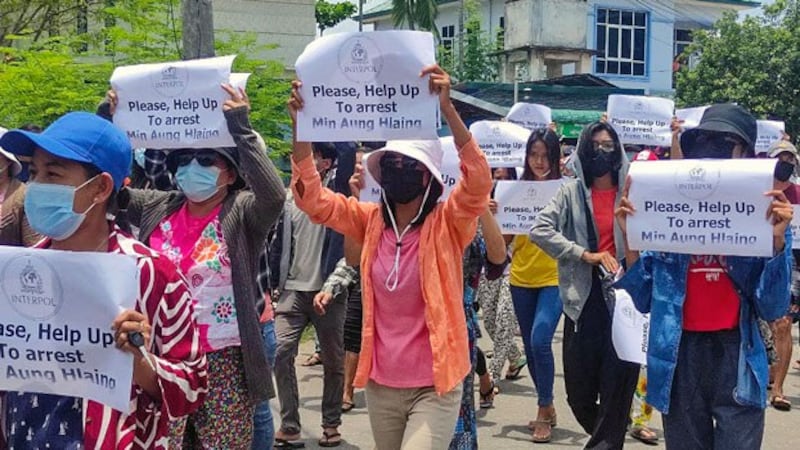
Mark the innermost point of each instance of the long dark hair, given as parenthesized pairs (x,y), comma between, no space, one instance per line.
(550,141)
(586,151)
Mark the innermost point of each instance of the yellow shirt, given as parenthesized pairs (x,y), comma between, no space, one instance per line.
(530,266)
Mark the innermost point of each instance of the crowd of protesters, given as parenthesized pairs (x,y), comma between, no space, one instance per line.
(393,311)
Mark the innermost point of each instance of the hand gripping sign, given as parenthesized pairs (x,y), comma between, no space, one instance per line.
(56,309)
(175,104)
(367,86)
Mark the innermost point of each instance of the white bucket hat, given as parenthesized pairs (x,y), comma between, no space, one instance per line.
(16,167)
(428,152)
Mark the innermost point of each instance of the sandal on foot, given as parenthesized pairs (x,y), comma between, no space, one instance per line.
(644,435)
(330,439)
(514,372)
(553,422)
(347,406)
(487,398)
(542,438)
(313,360)
(780,403)
(283,443)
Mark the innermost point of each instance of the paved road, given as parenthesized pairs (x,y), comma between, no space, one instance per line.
(505,426)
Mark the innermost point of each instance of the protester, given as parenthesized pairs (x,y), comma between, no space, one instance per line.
(14,227)
(534,288)
(703,312)
(785,170)
(577,229)
(215,230)
(302,255)
(414,354)
(78,167)
(486,253)
(641,412)
(499,321)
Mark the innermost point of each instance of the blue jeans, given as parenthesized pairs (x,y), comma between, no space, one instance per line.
(703,415)
(263,426)
(538,312)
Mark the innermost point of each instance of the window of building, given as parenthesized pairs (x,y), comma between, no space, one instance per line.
(448,36)
(501,34)
(682,40)
(621,38)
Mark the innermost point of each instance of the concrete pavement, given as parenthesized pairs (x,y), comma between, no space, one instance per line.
(505,426)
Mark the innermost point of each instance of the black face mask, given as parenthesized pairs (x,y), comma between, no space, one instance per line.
(784,170)
(603,163)
(402,184)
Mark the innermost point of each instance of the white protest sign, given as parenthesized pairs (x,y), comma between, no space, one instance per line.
(366,86)
(702,207)
(796,227)
(502,142)
(451,173)
(175,104)
(769,131)
(630,329)
(530,115)
(518,203)
(690,116)
(56,310)
(641,120)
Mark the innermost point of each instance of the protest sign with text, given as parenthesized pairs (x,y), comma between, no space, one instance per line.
(796,227)
(451,173)
(702,207)
(690,116)
(518,203)
(502,142)
(174,105)
(530,115)
(56,310)
(630,329)
(769,131)
(367,86)
(641,120)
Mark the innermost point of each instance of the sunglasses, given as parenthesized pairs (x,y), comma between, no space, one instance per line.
(204,158)
(396,161)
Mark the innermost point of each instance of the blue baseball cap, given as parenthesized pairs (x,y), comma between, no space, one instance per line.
(81,137)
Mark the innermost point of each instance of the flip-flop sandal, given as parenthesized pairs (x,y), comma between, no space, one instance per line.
(514,374)
(326,442)
(780,403)
(487,398)
(542,439)
(553,422)
(639,435)
(283,443)
(313,360)
(347,406)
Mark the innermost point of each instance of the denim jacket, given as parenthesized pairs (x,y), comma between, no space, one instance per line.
(763,287)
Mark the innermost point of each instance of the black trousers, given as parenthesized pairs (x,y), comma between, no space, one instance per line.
(599,385)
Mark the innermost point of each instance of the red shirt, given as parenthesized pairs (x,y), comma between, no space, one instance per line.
(712,303)
(603,205)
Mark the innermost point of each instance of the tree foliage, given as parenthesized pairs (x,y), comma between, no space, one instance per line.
(416,14)
(754,62)
(329,15)
(43,77)
(471,59)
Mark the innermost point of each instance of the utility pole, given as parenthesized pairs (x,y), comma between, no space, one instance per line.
(360,15)
(198,29)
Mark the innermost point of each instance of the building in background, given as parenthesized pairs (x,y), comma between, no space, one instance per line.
(633,44)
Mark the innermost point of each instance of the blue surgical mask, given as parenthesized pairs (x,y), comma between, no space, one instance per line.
(138,156)
(197,182)
(49,208)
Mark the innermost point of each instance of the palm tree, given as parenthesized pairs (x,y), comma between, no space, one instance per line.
(418,14)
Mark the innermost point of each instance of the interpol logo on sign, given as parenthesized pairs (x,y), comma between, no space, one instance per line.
(32,287)
(171,81)
(360,59)
(697,182)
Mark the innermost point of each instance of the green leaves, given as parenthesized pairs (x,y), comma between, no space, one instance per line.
(754,62)
(328,15)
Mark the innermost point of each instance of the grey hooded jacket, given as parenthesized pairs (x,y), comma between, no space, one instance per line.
(561,231)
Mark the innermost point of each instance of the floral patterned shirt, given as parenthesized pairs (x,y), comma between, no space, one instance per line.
(197,246)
